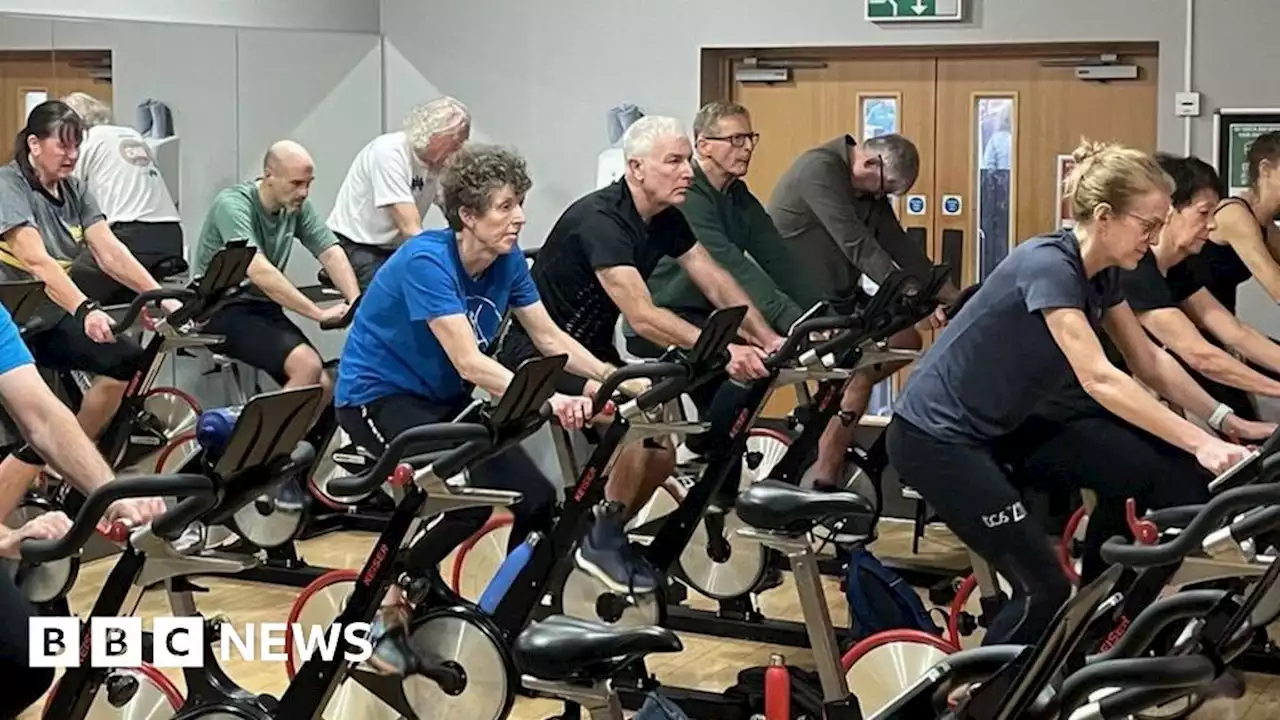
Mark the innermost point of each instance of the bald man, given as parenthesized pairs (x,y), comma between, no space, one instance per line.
(269,212)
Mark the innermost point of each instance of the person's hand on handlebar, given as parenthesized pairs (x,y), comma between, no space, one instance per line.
(1218,456)
(49,526)
(746,362)
(99,327)
(774,344)
(572,411)
(1238,429)
(333,312)
(936,320)
(134,512)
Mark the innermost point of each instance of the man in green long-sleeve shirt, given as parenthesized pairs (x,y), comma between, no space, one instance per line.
(730,223)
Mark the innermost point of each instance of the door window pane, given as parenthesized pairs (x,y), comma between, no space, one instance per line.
(30,99)
(879,117)
(993,187)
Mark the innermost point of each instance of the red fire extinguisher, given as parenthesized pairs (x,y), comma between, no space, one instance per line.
(777,690)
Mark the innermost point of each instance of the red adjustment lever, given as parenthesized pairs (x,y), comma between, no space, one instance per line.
(116,532)
(401,476)
(609,408)
(1144,531)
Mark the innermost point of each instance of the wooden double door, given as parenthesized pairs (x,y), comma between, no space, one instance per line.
(994,129)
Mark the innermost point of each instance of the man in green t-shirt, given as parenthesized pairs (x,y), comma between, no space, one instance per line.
(269,213)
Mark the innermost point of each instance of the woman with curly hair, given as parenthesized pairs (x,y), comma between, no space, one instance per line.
(420,344)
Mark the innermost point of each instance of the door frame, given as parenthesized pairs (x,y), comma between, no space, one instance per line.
(716,64)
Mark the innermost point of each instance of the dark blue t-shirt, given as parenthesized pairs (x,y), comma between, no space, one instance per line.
(996,360)
(390,350)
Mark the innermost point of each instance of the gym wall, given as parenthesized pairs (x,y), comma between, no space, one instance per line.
(233,91)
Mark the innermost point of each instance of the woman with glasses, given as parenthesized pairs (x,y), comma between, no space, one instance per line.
(1033,325)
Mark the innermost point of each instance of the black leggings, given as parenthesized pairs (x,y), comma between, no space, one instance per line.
(1115,460)
(968,488)
(26,684)
(372,426)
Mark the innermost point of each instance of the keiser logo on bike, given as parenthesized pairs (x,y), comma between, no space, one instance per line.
(179,642)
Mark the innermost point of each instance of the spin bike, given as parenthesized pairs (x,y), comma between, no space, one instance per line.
(520,593)
(133,429)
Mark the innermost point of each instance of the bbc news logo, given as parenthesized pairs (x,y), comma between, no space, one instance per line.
(179,642)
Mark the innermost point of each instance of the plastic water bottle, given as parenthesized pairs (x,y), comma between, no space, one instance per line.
(507,572)
(214,427)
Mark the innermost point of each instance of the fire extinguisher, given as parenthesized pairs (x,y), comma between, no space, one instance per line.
(777,690)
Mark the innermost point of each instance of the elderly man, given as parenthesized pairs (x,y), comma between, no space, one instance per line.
(392,184)
(592,270)
(832,209)
(117,167)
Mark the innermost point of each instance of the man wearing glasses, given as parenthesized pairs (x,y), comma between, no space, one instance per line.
(729,222)
(832,210)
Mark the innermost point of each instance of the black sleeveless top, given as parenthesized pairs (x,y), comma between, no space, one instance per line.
(1221,269)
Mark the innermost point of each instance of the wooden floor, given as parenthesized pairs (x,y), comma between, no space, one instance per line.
(707,663)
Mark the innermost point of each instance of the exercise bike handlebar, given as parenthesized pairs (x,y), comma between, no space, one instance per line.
(792,348)
(1155,673)
(345,320)
(96,504)
(674,379)
(1118,551)
(471,438)
(134,311)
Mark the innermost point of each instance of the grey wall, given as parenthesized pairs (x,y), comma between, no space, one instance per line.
(348,15)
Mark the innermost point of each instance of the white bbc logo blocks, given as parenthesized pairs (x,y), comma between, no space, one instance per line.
(116,642)
(53,642)
(178,641)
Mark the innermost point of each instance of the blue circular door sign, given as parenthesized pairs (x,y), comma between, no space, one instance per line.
(951,205)
(916,205)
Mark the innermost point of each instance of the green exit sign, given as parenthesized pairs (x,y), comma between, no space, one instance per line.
(914,10)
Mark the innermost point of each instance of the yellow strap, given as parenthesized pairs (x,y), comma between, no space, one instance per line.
(8,258)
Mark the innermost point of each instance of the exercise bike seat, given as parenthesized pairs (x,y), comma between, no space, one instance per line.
(777,506)
(568,648)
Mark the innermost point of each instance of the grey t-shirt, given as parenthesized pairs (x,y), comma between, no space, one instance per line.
(996,360)
(61,221)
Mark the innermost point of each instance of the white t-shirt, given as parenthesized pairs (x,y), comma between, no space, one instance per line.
(384,173)
(117,166)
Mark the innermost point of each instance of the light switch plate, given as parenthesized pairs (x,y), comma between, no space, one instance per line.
(1187,104)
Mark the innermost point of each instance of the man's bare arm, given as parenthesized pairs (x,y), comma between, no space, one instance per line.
(276,286)
(659,326)
(52,430)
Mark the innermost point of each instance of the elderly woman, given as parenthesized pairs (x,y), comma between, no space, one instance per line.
(420,340)
(117,166)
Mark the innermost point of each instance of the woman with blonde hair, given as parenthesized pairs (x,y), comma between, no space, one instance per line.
(1033,324)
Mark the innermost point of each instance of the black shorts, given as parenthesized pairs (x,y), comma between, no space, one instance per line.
(65,346)
(257,333)
(365,259)
(157,246)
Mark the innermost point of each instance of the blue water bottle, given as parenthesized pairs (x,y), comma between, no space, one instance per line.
(214,428)
(507,572)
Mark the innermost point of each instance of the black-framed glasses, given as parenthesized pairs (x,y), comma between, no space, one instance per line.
(738,140)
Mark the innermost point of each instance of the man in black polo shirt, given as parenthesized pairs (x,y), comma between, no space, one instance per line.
(591,270)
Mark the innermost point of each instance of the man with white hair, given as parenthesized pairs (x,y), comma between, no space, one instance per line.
(592,269)
(392,183)
(832,208)
(117,166)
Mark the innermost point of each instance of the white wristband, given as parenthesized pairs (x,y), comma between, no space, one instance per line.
(1220,413)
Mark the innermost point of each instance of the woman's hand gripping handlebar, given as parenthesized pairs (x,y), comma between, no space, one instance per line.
(460,444)
(1210,518)
(89,520)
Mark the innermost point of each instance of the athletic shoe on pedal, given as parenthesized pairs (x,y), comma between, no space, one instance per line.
(605,554)
(390,643)
(289,497)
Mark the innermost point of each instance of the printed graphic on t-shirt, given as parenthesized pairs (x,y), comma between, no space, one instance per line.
(135,152)
(485,320)
(417,183)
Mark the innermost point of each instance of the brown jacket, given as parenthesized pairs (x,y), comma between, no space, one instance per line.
(837,233)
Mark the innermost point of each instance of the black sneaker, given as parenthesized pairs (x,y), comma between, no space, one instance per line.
(289,496)
(605,554)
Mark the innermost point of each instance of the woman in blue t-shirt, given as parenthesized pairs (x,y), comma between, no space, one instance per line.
(1035,321)
(420,344)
